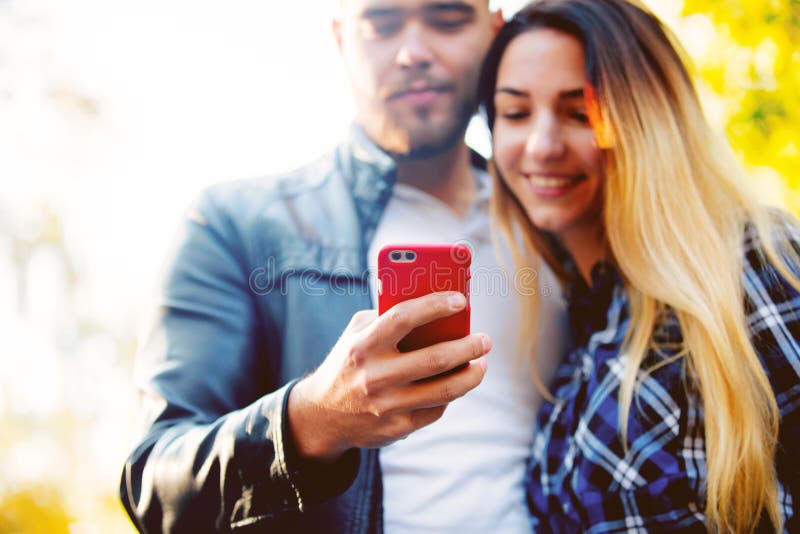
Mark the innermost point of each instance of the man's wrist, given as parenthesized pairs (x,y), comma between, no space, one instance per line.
(307,426)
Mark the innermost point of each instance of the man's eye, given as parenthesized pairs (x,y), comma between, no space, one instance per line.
(449,22)
(381,27)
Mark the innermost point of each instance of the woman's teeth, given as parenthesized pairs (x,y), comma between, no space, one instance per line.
(548,181)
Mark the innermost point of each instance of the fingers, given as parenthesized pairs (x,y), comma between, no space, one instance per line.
(425,416)
(402,318)
(440,391)
(400,425)
(436,359)
(361,320)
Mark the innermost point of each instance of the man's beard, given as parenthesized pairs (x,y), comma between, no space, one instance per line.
(451,136)
(422,141)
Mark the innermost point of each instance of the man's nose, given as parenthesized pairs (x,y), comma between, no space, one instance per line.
(414,51)
(545,142)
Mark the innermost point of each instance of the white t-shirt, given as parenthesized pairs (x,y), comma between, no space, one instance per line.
(464,473)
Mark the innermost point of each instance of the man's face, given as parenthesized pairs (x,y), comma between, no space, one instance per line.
(413,66)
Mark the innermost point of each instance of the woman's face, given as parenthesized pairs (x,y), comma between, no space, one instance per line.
(544,147)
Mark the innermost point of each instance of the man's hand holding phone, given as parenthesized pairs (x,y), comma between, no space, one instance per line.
(368,394)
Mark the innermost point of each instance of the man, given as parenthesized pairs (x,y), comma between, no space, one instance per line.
(262,286)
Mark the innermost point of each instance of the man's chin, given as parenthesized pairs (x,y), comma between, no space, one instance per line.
(426,150)
(417,137)
(431,140)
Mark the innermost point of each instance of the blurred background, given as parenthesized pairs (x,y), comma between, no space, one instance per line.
(113,116)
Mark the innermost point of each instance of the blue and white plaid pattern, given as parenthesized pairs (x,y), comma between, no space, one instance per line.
(581,479)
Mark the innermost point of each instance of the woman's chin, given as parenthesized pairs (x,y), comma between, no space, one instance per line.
(552,223)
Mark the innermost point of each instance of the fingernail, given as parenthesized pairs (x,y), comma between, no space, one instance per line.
(456,301)
(486,343)
(482,363)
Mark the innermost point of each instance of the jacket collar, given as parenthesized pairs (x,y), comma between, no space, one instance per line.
(371,174)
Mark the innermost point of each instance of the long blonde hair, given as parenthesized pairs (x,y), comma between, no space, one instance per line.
(675,212)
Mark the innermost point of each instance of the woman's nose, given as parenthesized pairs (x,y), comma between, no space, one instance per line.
(544,142)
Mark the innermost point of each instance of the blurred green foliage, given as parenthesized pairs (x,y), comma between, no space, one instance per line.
(753,66)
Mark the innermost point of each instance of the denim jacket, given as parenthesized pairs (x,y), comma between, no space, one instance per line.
(264,278)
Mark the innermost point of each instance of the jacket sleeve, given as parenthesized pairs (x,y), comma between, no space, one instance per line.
(216,453)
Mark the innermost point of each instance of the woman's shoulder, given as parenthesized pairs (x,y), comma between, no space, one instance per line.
(782,230)
(772,303)
(771,260)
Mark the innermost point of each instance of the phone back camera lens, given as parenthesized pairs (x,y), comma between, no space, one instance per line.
(396,255)
(411,256)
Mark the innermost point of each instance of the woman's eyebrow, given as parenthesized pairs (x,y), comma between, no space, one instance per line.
(567,94)
(510,91)
(571,93)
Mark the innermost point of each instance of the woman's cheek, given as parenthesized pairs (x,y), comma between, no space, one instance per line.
(591,155)
(507,149)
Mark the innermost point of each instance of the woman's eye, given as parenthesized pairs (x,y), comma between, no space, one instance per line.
(514,115)
(579,116)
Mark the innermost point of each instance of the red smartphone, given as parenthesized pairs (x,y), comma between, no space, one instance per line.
(407,271)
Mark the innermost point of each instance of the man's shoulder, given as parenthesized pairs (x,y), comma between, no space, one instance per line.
(257,194)
(310,205)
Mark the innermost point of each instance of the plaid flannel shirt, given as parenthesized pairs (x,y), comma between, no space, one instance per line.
(581,479)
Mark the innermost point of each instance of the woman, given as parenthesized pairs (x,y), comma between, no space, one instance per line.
(679,404)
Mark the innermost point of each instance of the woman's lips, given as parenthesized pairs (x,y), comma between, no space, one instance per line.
(552,185)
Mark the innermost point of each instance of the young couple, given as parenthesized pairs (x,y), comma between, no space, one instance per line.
(670,402)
